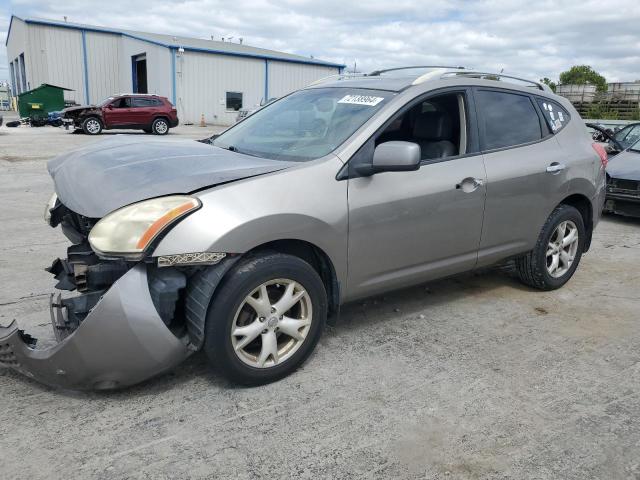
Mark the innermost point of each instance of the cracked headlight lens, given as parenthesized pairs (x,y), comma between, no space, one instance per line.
(130,230)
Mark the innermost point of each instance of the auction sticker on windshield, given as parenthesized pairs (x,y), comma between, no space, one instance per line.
(361,100)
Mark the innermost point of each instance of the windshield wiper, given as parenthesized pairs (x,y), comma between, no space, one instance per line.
(231,148)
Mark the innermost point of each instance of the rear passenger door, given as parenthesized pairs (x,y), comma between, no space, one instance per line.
(526,176)
(143,110)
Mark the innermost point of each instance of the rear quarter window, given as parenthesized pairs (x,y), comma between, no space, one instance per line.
(507,119)
(554,114)
(146,102)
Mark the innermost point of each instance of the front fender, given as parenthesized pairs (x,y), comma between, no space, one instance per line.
(305,203)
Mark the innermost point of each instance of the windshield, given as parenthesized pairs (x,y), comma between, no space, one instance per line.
(305,125)
(105,101)
(628,135)
(636,147)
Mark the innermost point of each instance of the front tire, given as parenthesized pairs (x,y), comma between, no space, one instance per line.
(557,253)
(265,319)
(160,126)
(92,126)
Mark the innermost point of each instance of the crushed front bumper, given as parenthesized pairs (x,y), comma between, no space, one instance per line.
(626,203)
(122,341)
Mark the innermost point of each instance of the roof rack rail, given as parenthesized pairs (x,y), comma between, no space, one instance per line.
(338,76)
(137,94)
(376,73)
(497,76)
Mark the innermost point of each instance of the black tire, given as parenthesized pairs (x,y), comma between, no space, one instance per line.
(160,126)
(532,267)
(92,126)
(238,283)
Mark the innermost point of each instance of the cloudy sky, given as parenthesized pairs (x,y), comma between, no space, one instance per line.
(532,39)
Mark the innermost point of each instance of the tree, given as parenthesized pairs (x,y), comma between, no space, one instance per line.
(582,75)
(546,81)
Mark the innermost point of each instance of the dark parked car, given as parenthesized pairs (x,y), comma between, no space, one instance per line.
(151,113)
(623,182)
(623,169)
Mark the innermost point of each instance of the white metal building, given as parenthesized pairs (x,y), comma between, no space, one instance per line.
(198,76)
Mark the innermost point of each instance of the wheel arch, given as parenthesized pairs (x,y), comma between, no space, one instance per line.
(202,286)
(581,203)
(314,256)
(92,115)
(161,116)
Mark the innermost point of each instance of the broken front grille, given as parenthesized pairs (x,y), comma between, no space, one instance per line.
(620,185)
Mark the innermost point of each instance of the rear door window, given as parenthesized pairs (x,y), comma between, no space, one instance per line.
(506,119)
(145,102)
(554,114)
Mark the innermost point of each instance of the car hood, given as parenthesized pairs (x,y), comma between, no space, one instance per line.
(78,108)
(110,174)
(625,165)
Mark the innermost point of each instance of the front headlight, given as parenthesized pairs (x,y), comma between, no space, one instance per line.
(130,230)
(49,206)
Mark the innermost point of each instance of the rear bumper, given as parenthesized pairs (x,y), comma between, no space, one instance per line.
(173,123)
(122,341)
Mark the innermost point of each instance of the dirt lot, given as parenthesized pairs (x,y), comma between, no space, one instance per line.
(474,377)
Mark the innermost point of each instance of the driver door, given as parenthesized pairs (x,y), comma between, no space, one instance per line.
(409,227)
(118,113)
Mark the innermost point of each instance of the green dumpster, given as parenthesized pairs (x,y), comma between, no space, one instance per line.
(37,103)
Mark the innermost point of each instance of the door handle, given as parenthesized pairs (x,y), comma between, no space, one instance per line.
(556,167)
(470,184)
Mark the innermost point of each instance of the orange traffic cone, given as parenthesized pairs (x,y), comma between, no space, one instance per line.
(202,122)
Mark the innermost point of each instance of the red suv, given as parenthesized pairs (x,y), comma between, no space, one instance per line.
(150,113)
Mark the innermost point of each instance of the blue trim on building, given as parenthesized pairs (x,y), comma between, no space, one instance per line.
(266,80)
(190,49)
(173,76)
(134,74)
(86,67)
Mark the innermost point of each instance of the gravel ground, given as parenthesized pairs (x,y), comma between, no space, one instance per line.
(473,377)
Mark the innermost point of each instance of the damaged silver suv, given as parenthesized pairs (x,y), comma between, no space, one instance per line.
(243,245)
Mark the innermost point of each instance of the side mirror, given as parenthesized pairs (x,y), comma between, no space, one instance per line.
(110,106)
(396,156)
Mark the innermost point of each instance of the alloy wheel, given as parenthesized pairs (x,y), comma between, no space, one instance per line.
(161,127)
(562,248)
(93,126)
(271,323)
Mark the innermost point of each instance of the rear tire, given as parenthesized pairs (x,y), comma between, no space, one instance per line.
(92,126)
(554,259)
(251,336)
(160,126)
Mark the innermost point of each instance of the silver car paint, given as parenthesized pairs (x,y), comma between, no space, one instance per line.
(625,165)
(302,203)
(104,176)
(122,341)
(382,232)
(408,227)
(520,195)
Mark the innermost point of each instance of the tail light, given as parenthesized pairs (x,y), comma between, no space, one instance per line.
(602,153)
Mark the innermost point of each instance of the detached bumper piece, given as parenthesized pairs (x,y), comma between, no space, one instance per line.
(107,340)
